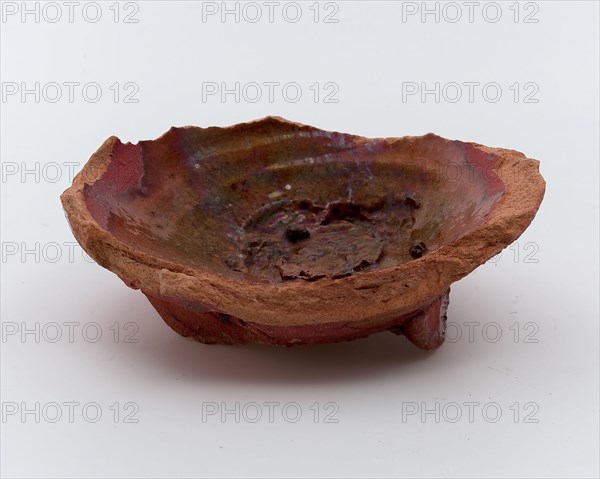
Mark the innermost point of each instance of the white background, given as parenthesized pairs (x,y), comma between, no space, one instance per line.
(541,295)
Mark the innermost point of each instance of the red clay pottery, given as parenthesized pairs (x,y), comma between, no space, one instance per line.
(281,233)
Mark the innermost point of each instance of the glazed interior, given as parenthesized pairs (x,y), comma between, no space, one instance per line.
(275,201)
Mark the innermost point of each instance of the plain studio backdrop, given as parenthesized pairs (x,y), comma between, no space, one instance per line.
(94,384)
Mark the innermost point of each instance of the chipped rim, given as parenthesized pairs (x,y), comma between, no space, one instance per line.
(374,294)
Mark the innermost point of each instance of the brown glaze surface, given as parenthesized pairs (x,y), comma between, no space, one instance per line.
(279,226)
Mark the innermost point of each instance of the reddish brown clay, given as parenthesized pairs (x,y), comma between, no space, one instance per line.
(280,233)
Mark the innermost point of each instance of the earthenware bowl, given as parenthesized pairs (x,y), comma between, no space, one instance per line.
(281,233)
